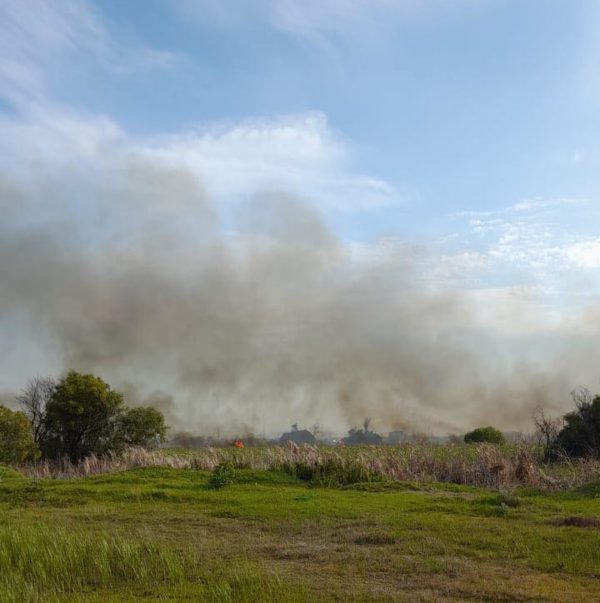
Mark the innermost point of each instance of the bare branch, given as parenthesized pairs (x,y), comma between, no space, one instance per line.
(33,400)
(547,429)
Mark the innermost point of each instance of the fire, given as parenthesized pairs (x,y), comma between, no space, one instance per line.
(238,443)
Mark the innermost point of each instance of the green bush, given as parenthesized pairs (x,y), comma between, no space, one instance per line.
(332,472)
(580,436)
(141,426)
(222,475)
(487,434)
(16,438)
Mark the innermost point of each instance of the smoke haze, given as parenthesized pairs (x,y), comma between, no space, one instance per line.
(255,316)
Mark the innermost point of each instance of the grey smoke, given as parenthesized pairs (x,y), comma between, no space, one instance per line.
(259,319)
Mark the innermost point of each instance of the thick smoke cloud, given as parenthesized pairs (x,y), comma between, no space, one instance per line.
(258,317)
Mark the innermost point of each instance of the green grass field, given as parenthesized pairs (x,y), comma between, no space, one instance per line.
(162,534)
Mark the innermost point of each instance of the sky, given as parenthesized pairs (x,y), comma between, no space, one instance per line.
(460,134)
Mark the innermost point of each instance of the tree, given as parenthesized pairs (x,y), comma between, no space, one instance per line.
(16,439)
(81,417)
(140,426)
(546,430)
(362,436)
(581,434)
(487,434)
(33,400)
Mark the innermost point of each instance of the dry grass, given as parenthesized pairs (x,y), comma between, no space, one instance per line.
(592,523)
(485,465)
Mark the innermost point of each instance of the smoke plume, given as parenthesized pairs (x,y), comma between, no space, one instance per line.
(256,317)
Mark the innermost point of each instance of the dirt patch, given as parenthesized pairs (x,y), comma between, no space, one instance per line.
(591,523)
(375,539)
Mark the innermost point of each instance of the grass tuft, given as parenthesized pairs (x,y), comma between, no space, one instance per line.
(37,562)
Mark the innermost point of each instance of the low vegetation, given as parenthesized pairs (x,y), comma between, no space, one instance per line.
(38,563)
(162,533)
(483,465)
(106,514)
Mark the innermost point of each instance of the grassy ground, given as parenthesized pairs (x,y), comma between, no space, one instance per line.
(163,534)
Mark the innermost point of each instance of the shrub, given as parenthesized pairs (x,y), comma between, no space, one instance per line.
(580,437)
(141,426)
(222,475)
(332,472)
(16,439)
(484,434)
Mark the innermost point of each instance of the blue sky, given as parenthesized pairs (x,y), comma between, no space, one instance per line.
(465,130)
(448,106)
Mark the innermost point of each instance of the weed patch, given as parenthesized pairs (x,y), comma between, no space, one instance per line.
(590,523)
(223,475)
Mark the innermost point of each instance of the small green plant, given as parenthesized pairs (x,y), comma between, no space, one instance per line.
(222,475)
(501,510)
(509,500)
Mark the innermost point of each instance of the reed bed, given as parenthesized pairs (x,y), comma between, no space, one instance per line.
(483,465)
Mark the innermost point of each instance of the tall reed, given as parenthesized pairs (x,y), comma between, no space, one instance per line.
(483,465)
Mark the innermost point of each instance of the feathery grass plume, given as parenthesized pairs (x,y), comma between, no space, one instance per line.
(483,465)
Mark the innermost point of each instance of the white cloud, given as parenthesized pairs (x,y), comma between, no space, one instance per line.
(42,42)
(529,234)
(543,243)
(298,152)
(585,254)
(527,205)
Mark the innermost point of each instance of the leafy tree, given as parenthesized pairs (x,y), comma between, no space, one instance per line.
(141,426)
(16,440)
(484,434)
(580,435)
(81,417)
